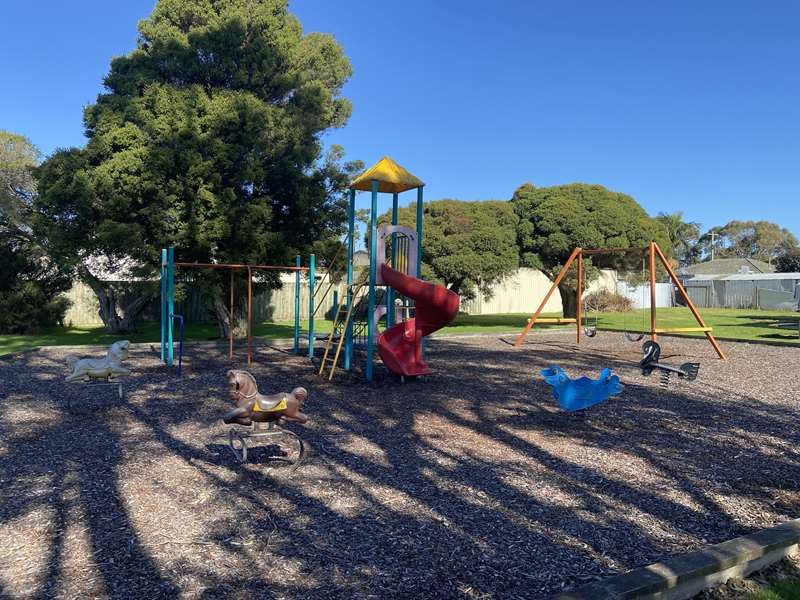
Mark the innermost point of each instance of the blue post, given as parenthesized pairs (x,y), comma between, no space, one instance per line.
(163,304)
(373,259)
(297,305)
(351,224)
(335,302)
(180,344)
(170,301)
(311,282)
(393,264)
(419,243)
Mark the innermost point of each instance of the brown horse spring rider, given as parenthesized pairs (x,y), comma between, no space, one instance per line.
(254,407)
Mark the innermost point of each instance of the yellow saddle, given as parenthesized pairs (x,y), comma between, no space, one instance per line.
(257,407)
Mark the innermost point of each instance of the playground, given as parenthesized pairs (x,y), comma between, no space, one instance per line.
(467,483)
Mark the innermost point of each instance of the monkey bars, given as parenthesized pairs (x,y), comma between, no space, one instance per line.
(652,251)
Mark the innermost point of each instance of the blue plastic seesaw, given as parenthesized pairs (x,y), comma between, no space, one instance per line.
(577,394)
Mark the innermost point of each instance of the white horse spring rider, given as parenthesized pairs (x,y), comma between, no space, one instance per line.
(100,368)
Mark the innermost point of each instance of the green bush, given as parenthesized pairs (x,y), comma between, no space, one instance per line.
(30,290)
(607,301)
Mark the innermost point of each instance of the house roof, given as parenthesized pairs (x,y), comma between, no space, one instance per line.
(390,176)
(728,266)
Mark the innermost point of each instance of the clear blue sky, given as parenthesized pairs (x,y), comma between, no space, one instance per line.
(691,106)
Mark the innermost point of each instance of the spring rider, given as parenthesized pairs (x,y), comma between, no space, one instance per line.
(577,394)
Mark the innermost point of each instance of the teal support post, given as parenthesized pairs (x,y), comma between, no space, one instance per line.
(351,225)
(373,260)
(311,282)
(335,302)
(170,301)
(393,264)
(419,242)
(297,305)
(163,304)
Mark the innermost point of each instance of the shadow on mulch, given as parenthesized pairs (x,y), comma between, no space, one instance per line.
(468,483)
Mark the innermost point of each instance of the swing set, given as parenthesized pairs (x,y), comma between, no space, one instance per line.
(650,252)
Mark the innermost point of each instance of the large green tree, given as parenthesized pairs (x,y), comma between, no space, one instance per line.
(683,236)
(555,220)
(468,246)
(30,283)
(207,138)
(762,240)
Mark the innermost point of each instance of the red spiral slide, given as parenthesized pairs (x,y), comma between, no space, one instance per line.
(400,346)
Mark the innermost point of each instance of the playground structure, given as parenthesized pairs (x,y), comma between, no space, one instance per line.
(395,258)
(652,251)
(168,316)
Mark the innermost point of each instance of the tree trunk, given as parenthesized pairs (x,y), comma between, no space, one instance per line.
(569,300)
(223,317)
(108,302)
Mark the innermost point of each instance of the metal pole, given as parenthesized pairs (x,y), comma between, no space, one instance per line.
(653,324)
(373,259)
(580,294)
(297,306)
(311,281)
(249,316)
(348,333)
(232,321)
(389,290)
(163,304)
(419,247)
(170,301)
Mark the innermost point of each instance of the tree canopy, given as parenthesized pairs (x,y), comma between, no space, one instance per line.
(207,138)
(468,246)
(30,284)
(555,220)
(683,236)
(762,240)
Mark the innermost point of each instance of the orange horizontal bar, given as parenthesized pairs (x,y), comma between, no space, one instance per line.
(237,266)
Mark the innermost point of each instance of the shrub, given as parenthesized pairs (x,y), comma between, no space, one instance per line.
(30,290)
(607,301)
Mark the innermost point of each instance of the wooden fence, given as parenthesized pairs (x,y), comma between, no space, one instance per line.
(519,293)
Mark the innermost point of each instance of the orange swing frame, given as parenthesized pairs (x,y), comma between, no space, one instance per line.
(653,251)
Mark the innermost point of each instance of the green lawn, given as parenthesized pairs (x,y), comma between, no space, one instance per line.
(727,324)
(788,589)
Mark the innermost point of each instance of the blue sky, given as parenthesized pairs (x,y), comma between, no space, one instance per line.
(691,106)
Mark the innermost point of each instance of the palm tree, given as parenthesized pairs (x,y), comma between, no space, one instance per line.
(683,235)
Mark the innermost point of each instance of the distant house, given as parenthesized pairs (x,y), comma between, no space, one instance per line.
(727,266)
(360,258)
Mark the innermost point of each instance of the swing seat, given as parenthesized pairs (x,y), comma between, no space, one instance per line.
(577,394)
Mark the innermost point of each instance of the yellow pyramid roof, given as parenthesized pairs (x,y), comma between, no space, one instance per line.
(390,176)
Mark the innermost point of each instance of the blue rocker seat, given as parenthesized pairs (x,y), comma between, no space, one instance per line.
(577,394)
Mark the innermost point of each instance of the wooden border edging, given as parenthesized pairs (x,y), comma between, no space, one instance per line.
(684,576)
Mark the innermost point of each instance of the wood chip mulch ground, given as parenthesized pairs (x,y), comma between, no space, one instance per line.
(470,483)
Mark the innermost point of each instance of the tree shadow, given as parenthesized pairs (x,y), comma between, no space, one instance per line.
(467,482)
